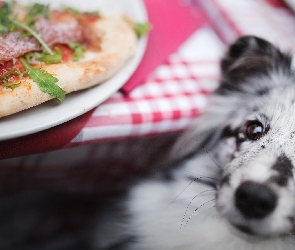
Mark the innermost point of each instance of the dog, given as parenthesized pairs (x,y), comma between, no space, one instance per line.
(231,185)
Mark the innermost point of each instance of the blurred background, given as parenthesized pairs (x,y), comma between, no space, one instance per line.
(55,183)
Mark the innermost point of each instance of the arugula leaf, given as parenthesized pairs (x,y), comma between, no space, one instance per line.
(55,58)
(35,11)
(72,10)
(5,17)
(45,81)
(11,86)
(141,29)
(78,12)
(79,50)
(32,56)
(5,77)
(34,34)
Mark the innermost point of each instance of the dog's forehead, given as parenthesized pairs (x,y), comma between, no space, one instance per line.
(278,108)
(275,108)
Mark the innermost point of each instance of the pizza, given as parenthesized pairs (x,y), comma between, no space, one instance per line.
(46,53)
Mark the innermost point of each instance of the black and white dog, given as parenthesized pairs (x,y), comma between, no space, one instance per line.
(233,184)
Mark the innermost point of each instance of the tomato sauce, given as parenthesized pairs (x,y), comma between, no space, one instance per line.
(67,53)
(15,64)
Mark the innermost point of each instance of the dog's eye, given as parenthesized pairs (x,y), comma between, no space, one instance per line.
(254,130)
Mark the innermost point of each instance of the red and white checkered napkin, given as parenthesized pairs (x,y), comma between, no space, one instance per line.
(269,19)
(170,98)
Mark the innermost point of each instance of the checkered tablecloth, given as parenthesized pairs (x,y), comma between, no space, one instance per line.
(172,96)
(176,91)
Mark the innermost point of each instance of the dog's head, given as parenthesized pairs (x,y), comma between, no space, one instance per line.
(249,130)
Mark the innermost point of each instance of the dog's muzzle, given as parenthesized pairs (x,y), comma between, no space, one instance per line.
(257,207)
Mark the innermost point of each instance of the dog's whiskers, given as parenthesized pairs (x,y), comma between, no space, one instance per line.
(203,181)
(198,175)
(197,179)
(181,192)
(212,158)
(195,211)
(203,192)
(185,198)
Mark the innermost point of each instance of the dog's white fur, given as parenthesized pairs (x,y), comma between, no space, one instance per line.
(195,208)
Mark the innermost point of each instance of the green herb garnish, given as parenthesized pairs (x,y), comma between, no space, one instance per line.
(45,81)
(94,13)
(37,10)
(5,17)
(72,10)
(79,50)
(34,34)
(55,58)
(141,29)
(78,12)
(31,57)
(9,73)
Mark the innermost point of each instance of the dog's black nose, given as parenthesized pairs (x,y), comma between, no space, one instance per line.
(254,200)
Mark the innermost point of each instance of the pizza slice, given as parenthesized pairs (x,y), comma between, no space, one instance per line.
(45,54)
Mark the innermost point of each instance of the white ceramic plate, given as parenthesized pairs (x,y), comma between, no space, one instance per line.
(53,113)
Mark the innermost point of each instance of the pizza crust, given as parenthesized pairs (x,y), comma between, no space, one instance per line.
(117,42)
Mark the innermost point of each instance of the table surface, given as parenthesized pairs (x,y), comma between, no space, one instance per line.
(171,86)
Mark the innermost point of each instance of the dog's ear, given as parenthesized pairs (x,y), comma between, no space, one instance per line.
(251,56)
